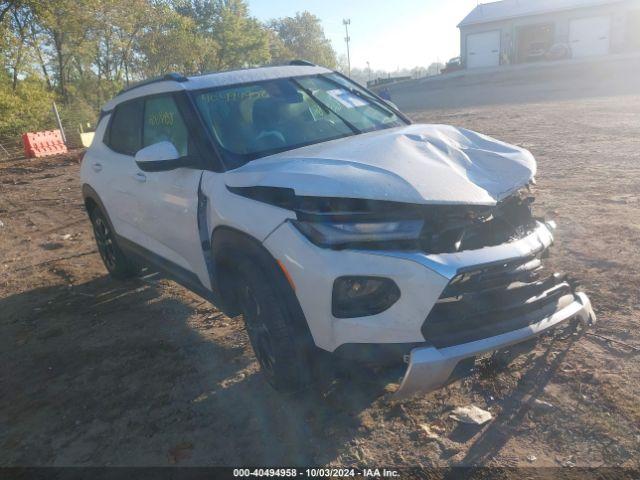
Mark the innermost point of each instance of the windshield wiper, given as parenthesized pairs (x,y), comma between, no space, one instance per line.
(324,106)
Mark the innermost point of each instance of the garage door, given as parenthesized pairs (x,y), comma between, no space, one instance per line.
(483,49)
(589,36)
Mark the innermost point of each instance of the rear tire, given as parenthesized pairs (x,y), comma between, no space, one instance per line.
(116,262)
(283,351)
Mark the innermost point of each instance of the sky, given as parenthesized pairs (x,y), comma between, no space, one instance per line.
(390,34)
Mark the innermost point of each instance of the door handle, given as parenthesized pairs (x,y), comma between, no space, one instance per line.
(97,167)
(140,177)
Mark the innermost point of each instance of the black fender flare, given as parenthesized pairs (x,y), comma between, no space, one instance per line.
(90,196)
(228,244)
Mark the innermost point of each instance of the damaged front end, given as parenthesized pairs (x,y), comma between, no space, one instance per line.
(498,292)
(483,301)
(354,223)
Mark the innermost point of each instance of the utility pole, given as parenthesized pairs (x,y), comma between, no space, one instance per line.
(369,69)
(346,22)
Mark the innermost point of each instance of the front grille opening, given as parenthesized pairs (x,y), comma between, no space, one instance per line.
(473,227)
(494,300)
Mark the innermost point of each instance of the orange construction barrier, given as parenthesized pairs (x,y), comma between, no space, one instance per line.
(42,144)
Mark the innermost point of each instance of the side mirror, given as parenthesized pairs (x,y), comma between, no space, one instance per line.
(160,157)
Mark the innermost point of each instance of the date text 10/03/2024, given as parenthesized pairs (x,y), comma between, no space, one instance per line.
(316,472)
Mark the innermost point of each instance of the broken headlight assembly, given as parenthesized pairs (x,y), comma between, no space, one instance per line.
(340,223)
(341,233)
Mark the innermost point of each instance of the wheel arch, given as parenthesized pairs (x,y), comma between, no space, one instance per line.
(227,244)
(92,201)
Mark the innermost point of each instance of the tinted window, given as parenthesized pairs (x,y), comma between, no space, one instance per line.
(163,122)
(124,131)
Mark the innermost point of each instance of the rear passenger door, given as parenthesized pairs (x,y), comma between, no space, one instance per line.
(169,200)
(114,167)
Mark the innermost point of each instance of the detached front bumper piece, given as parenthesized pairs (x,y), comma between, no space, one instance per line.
(432,367)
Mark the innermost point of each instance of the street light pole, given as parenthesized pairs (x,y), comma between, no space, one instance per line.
(346,22)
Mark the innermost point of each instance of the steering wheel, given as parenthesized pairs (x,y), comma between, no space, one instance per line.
(273,137)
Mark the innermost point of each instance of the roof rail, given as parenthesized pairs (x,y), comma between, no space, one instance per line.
(173,77)
(303,63)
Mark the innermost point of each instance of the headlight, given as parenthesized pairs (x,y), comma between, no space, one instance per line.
(333,234)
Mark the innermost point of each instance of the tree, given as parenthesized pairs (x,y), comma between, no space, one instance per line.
(342,65)
(304,38)
(435,68)
(15,32)
(6,6)
(169,43)
(66,25)
(242,40)
(81,52)
(25,107)
(278,51)
(232,38)
(120,23)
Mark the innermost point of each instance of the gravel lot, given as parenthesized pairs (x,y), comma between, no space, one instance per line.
(98,372)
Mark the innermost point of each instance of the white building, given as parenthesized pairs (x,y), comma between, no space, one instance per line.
(518,31)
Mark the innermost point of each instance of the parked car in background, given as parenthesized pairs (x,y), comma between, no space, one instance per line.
(559,51)
(452,65)
(329,220)
(537,51)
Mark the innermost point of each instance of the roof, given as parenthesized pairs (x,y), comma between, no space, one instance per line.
(210,80)
(505,9)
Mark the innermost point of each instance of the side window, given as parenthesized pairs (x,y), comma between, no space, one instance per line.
(162,121)
(124,130)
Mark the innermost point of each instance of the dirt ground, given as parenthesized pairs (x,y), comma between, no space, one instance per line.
(99,372)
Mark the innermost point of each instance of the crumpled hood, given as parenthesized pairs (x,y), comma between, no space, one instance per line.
(423,164)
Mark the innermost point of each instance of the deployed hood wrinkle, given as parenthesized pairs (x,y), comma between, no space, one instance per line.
(423,164)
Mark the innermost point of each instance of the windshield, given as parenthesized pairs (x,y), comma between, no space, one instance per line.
(254,120)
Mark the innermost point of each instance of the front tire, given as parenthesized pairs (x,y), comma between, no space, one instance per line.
(282,350)
(116,262)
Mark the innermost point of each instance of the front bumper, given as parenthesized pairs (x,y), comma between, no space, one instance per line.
(430,368)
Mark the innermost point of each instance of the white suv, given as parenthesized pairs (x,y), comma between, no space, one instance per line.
(316,209)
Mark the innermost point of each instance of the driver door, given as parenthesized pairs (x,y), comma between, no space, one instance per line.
(169,200)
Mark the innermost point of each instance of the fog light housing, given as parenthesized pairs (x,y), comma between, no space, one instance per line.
(362,296)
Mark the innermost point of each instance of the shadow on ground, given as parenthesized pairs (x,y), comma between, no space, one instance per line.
(132,374)
(518,403)
(107,372)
